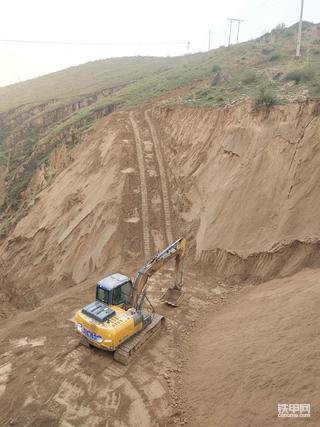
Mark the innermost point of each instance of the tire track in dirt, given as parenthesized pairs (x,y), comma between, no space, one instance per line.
(163,178)
(143,186)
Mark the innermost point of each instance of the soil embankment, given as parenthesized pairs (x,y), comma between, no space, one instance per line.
(250,186)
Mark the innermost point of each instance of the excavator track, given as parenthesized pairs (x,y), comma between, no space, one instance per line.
(126,350)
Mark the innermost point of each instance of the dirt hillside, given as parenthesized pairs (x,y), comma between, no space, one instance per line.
(57,244)
(249,184)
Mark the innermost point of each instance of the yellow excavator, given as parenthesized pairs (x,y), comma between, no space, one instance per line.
(117,321)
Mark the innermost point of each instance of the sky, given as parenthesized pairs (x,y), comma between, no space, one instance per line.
(132,27)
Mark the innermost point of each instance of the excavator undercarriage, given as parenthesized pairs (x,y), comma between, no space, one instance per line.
(126,351)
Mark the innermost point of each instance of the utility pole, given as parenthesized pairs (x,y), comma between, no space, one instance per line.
(239,22)
(299,31)
(209,43)
(231,21)
(230,31)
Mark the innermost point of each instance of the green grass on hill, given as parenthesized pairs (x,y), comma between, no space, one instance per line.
(76,82)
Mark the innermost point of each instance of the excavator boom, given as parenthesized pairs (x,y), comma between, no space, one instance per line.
(173,251)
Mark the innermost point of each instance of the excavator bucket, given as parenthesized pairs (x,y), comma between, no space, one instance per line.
(172,296)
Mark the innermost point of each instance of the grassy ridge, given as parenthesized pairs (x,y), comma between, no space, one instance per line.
(76,82)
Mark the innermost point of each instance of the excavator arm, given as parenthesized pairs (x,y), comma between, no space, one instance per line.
(174,251)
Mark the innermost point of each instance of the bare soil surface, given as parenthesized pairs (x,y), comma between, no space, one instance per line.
(248,184)
(256,352)
(106,202)
(138,180)
(48,379)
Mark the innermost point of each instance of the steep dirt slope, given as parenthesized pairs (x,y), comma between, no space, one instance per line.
(256,353)
(69,232)
(250,185)
(110,204)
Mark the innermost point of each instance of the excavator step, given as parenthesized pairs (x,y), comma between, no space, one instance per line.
(126,350)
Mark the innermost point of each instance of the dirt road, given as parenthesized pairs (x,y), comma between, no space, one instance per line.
(157,226)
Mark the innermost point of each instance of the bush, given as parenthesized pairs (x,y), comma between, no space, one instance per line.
(248,77)
(274,57)
(216,68)
(265,98)
(315,91)
(300,75)
(267,50)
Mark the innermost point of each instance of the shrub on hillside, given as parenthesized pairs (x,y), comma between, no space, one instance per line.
(248,77)
(300,75)
(265,98)
(267,50)
(274,56)
(315,91)
(216,68)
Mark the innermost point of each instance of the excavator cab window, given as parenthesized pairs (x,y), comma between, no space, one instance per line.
(102,295)
(121,294)
(116,296)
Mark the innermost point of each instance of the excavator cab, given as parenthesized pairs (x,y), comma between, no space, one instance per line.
(114,290)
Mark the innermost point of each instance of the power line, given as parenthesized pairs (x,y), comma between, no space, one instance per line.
(70,43)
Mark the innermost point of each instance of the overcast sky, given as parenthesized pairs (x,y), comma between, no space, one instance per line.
(128,21)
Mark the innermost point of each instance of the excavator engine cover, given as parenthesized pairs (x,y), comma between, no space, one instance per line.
(98,311)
